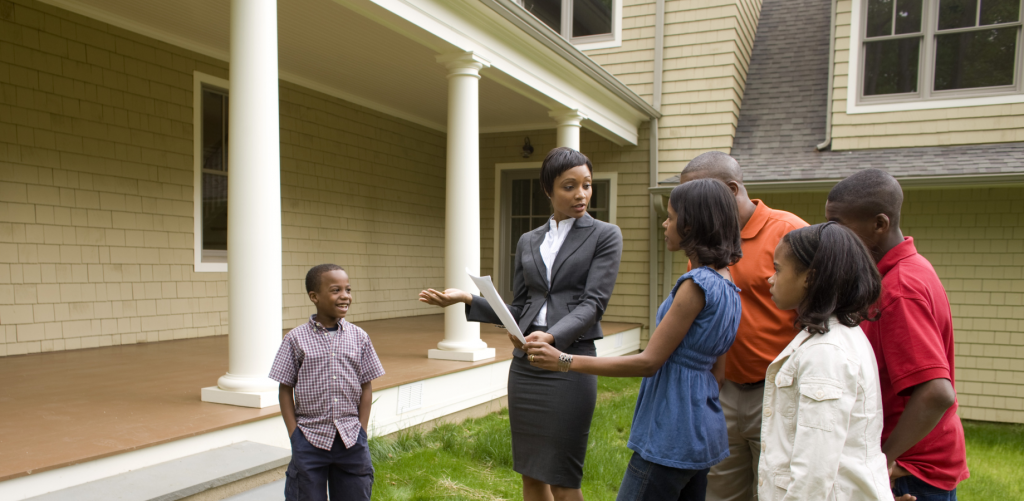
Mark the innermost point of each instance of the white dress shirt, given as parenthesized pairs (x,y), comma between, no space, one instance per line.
(822,421)
(553,241)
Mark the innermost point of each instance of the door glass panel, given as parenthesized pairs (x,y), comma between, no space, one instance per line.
(540,204)
(521,197)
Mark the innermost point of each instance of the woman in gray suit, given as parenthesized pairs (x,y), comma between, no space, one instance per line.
(564,274)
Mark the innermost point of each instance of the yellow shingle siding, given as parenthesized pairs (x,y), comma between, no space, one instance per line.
(975,240)
(629,301)
(936,127)
(96,192)
(707,52)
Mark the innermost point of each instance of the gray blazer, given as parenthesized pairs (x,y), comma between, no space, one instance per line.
(582,280)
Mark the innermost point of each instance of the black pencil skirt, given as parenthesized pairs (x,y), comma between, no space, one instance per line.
(550,414)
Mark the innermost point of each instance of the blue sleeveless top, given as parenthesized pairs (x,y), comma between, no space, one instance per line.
(678,421)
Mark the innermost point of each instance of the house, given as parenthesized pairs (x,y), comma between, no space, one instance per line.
(400,139)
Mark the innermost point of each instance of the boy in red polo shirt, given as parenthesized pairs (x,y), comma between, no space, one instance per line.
(922,437)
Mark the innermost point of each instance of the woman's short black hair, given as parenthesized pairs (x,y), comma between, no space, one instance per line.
(558,161)
(707,221)
(843,281)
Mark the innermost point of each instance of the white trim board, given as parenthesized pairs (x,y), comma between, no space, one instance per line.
(221,55)
(853,82)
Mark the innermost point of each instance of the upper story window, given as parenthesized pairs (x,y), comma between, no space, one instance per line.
(582,22)
(919,50)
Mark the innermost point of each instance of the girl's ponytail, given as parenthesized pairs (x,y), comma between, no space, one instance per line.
(843,280)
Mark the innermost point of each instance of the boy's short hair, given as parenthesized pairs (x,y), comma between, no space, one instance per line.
(707,207)
(870,192)
(314,274)
(558,161)
(844,280)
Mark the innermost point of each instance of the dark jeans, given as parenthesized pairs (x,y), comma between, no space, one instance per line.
(346,473)
(921,489)
(645,480)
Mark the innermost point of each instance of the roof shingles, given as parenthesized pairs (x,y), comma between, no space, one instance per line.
(782,116)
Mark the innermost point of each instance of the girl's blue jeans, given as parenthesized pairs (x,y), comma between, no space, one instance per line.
(645,481)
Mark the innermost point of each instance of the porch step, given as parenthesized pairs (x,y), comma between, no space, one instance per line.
(180,478)
(273,491)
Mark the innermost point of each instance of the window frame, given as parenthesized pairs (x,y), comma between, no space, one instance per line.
(199,81)
(502,216)
(925,97)
(591,42)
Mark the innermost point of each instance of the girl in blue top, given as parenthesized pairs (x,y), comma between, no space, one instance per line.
(678,427)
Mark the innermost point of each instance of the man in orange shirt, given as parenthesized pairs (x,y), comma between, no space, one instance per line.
(763,333)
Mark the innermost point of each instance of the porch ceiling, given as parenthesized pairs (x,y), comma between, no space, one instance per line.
(325,46)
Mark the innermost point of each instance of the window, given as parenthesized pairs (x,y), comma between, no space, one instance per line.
(211,176)
(590,24)
(523,206)
(919,50)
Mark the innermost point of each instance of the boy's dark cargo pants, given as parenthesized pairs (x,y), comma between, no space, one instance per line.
(347,473)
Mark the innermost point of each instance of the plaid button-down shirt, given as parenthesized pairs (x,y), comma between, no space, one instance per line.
(327,370)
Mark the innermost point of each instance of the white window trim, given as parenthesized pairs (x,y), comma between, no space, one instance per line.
(613,202)
(198,79)
(853,83)
(601,41)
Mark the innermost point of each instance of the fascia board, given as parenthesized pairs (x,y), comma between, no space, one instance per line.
(533,69)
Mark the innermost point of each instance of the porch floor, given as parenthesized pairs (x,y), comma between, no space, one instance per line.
(64,408)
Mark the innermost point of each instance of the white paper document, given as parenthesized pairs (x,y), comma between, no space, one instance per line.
(491,295)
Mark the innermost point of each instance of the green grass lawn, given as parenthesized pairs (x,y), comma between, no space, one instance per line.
(473,460)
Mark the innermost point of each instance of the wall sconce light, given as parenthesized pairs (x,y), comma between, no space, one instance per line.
(527,148)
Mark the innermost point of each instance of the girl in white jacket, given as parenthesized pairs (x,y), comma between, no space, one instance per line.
(822,422)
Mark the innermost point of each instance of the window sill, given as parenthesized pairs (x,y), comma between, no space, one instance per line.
(603,44)
(211,267)
(936,104)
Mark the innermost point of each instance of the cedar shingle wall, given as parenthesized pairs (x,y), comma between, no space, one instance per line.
(707,51)
(96,189)
(941,127)
(975,240)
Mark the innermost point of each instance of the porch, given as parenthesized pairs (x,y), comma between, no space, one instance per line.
(62,409)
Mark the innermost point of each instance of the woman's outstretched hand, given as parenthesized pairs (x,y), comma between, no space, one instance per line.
(541,354)
(446,298)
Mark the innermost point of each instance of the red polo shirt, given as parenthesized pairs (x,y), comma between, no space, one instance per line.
(913,343)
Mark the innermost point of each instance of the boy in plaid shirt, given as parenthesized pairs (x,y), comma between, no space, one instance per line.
(325,367)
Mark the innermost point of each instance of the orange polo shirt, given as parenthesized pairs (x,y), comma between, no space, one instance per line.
(764,329)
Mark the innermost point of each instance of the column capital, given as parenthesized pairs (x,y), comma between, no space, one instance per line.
(463,63)
(571,118)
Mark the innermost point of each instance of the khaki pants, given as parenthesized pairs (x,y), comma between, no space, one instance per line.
(735,479)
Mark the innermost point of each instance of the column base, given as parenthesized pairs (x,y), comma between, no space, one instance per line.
(462,356)
(256,399)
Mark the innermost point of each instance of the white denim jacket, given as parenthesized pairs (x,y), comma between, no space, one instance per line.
(822,421)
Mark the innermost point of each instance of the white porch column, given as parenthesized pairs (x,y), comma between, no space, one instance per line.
(568,127)
(462,205)
(254,209)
